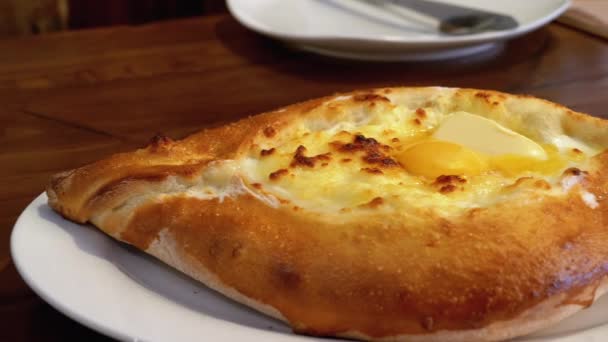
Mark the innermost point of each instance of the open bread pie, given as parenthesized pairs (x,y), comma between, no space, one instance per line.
(418,214)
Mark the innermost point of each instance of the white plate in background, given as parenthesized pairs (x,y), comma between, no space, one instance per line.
(130,296)
(356,30)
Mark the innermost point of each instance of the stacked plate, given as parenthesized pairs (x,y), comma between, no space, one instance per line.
(382,29)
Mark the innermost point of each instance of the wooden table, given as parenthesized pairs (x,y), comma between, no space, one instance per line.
(70,98)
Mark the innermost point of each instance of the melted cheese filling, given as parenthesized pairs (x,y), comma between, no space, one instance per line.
(404,158)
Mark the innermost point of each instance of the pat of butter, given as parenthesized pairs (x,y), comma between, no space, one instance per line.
(486,136)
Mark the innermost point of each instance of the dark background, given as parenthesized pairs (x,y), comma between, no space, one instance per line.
(94,13)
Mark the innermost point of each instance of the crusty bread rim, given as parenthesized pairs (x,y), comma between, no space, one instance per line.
(163,247)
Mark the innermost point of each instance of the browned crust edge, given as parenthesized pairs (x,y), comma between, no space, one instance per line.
(531,320)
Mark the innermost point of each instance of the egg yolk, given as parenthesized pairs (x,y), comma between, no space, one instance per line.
(512,164)
(435,158)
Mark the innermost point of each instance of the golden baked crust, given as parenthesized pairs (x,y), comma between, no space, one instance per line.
(480,268)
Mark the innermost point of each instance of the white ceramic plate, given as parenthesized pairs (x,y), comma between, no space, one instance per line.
(357,30)
(127,295)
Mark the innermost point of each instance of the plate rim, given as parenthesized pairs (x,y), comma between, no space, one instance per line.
(88,318)
(27,277)
(491,48)
(255,26)
(109,328)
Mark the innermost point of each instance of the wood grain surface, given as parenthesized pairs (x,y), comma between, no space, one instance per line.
(70,98)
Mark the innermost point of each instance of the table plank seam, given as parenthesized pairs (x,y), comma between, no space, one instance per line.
(586,33)
(72,124)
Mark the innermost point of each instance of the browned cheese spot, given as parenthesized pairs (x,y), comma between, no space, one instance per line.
(372,150)
(417,122)
(278,174)
(518,182)
(346,160)
(372,170)
(299,159)
(421,113)
(395,140)
(446,189)
(268,152)
(269,132)
(379,158)
(449,179)
(449,183)
(573,171)
(577,151)
(483,95)
(256,185)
